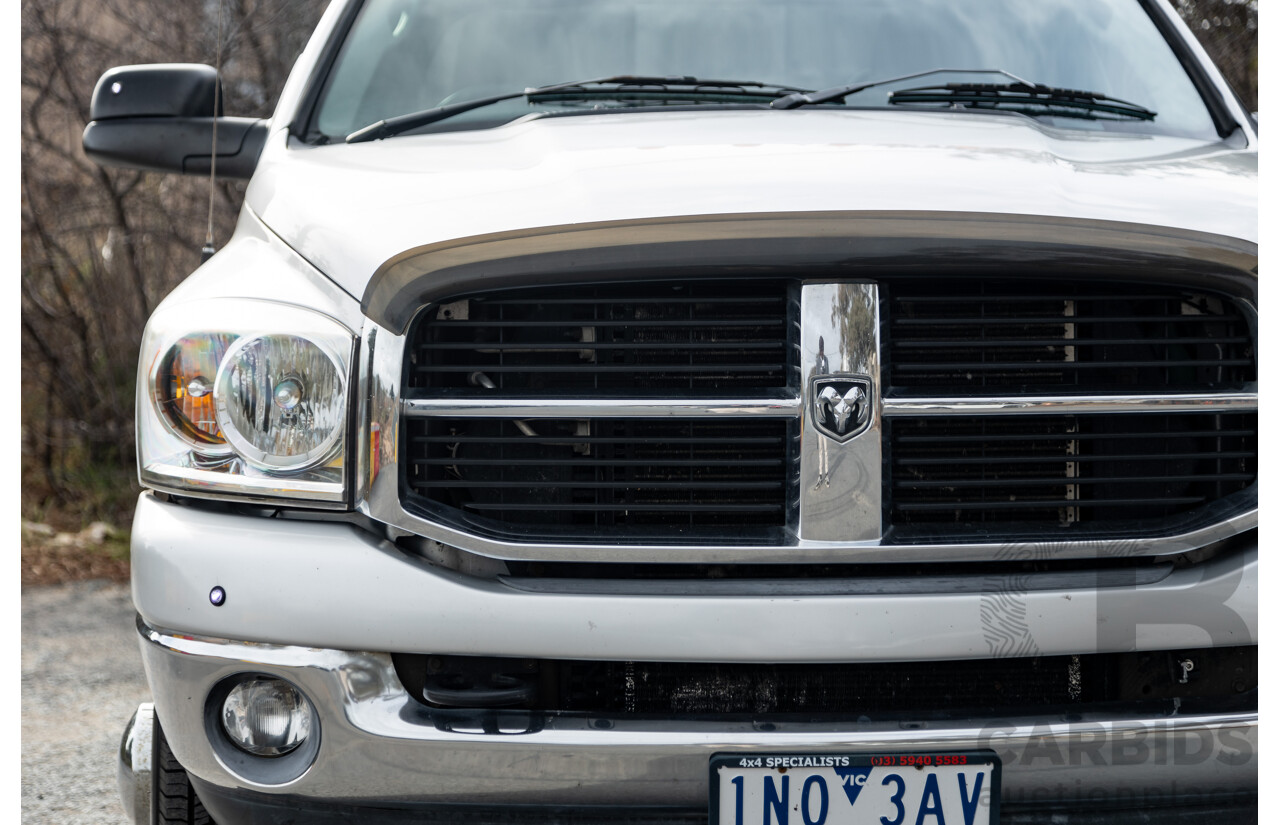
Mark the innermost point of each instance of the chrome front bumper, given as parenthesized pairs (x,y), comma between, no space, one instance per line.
(378,744)
(322,604)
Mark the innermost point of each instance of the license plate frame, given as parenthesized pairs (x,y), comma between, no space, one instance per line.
(919,763)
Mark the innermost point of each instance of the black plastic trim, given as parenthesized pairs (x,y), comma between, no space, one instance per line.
(177,144)
(255,808)
(157,90)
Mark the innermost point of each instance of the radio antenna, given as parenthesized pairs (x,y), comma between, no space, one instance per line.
(206,252)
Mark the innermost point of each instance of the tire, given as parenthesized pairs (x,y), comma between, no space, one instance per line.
(173,800)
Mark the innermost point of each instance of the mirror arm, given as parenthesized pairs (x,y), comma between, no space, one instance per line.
(177,144)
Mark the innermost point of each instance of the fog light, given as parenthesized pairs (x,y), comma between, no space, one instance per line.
(266,717)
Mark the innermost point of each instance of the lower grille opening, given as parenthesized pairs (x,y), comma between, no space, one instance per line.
(1217,677)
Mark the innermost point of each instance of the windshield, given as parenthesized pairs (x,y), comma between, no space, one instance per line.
(404,56)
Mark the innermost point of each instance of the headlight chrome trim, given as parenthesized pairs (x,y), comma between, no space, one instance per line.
(170,463)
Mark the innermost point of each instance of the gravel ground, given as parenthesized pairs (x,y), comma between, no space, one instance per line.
(81,680)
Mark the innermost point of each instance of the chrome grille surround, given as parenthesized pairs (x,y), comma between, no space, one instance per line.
(813,534)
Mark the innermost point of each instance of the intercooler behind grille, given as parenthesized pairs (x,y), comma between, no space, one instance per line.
(982,337)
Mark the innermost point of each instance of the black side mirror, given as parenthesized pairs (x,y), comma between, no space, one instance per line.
(160,118)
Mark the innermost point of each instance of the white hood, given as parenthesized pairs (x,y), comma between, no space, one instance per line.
(349,208)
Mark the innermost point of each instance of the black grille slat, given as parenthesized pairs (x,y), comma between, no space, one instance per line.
(992,337)
(666,475)
(711,439)
(708,322)
(1040,504)
(1068,365)
(1055,474)
(1061,342)
(518,462)
(592,301)
(703,337)
(706,370)
(634,484)
(1082,459)
(1079,481)
(1003,437)
(651,345)
(1007,296)
(670,507)
(1058,317)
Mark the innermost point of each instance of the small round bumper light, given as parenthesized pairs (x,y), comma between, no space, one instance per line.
(266,717)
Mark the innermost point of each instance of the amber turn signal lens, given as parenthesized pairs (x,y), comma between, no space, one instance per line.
(184,391)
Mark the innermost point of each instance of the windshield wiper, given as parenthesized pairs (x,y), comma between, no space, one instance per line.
(1027,97)
(1067,102)
(801,98)
(620,86)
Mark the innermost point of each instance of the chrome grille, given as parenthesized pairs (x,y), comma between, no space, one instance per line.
(635,419)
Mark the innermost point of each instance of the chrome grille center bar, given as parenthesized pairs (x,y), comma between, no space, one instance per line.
(1059,404)
(783,407)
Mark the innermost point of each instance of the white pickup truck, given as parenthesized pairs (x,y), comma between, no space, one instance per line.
(686,411)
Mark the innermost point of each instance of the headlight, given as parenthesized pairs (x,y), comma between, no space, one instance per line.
(245,398)
(281,401)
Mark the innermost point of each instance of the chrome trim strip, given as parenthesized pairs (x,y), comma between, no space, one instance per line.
(870,586)
(782,407)
(800,551)
(791,406)
(224,487)
(1068,404)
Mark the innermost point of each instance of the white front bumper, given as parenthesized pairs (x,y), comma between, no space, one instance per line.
(332,585)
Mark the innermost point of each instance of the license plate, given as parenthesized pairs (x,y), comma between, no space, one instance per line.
(855,789)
